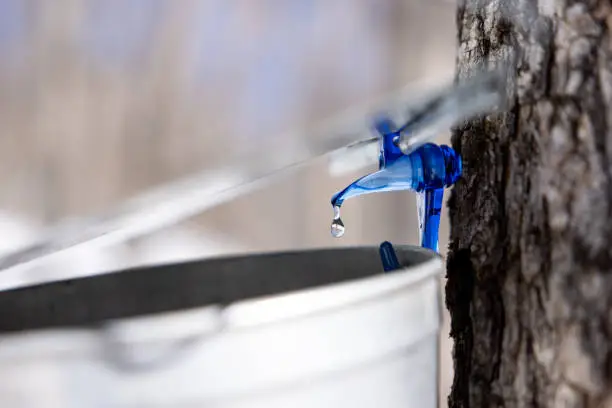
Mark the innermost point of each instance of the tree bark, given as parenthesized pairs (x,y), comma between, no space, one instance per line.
(530,258)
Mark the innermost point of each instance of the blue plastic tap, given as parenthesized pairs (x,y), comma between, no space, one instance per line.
(427,171)
(388,257)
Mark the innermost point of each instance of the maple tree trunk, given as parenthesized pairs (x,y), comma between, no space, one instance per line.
(530,257)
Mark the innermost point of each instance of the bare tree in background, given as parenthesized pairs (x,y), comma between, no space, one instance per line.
(530,263)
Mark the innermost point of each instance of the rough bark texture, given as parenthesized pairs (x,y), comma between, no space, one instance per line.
(530,259)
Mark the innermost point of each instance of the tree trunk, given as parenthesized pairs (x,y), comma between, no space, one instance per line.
(530,260)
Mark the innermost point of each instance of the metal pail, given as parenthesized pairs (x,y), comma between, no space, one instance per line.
(316,328)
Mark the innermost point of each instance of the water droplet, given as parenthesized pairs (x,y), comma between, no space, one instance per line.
(337,226)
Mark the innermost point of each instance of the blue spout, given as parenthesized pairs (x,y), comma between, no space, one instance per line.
(388,257)
(426,171)
(429,167)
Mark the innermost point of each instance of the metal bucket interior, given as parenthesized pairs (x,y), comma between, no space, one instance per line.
(172,287)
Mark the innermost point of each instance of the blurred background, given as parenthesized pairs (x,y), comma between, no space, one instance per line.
(104,99)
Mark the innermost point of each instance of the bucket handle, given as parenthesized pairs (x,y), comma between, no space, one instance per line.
(120,350)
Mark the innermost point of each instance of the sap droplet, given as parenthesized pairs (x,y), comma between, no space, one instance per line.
(337,226)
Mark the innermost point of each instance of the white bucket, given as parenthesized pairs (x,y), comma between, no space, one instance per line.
(320,328)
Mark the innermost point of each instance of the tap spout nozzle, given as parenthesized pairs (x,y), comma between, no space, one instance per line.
(429,167)
(426,171)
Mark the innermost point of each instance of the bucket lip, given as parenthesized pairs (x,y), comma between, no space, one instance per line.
(34,280)
(263,308)
(310,301)
(243,315)
(242,255)
(258,312)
